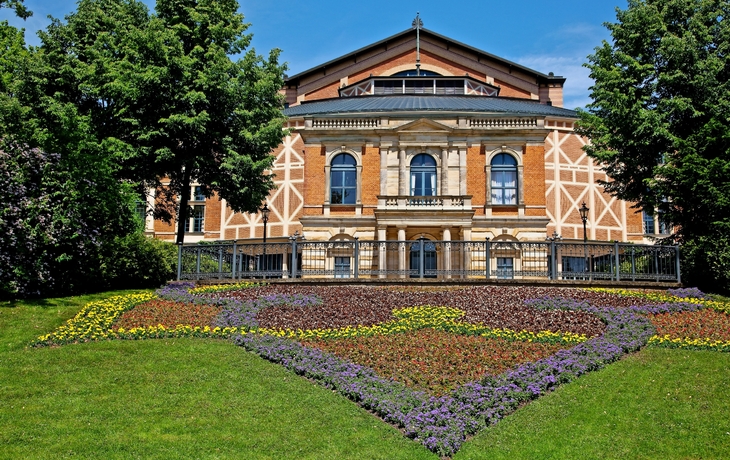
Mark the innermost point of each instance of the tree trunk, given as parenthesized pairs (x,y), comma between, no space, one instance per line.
(182,214)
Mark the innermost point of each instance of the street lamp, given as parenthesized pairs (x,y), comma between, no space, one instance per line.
(583,210)
(265,218)
(584,217)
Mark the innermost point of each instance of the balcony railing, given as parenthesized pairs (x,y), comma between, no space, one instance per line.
(436,203)
(424,258)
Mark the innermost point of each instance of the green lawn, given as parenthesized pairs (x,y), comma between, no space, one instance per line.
(655,404)
(194,398)
(182,398)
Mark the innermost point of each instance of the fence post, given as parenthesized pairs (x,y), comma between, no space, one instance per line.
(421,257)
(197,263)
(357,257)
(293,257)
(553,267)
(220,262)
(179,261)
(618,260)
(656,263)
(676,258)
(487,255)
(233,262)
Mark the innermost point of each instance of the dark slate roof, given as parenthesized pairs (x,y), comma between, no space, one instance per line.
(412,103)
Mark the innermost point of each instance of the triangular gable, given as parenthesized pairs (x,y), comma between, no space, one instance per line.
(438,53)
(423,125)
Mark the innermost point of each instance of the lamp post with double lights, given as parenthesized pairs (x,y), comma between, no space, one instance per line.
(265,218)
(583,210)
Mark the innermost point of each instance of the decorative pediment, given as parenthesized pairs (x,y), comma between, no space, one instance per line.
(423,125)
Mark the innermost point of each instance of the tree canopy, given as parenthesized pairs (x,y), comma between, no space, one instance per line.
(167,100)
(659,124)
(116,101)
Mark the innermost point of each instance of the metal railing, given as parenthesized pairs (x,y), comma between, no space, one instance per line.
(423,258)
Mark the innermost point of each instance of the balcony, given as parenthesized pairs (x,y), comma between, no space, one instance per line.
(425,203)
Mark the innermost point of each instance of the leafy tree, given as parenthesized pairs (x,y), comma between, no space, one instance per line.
(57,210)
(55,218)
(17,5)
(167,101)
(658,123)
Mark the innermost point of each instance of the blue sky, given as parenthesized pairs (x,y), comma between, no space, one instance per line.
(546,36)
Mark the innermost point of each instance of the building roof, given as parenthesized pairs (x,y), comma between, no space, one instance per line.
(430,103)
(425,33)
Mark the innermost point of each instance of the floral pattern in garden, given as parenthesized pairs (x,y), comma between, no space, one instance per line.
(441,363)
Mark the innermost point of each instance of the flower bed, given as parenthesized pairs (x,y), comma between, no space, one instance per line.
(161,312)
(442,423)
(705,329)
(439,372)
(94,321)
(433,360)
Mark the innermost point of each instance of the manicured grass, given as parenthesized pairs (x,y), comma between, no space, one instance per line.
(205,398)
(658,403)
(181,398)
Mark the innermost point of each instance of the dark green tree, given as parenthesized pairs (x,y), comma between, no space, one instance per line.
(168,102)
(58,210)
(659,123)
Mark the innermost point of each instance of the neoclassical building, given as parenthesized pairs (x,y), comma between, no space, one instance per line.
(419,135)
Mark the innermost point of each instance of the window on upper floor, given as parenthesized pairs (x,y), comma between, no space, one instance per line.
(664,227)
(423,175)
(504,179)
(343,179)
(196,219)
(197,193)
(140,209)
(648,223)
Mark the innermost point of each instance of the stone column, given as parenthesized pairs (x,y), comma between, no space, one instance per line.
(462,171)
(402,172)
(383,171)
(444,172)
(447,252)
(382,253)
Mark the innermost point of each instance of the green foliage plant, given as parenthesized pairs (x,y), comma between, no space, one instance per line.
(166,100)
(658,124)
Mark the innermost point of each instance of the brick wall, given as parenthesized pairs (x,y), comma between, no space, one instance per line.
(370,178)
(533,162)
(314,160)
(476,178)
(212,223)
(507,90)
(408,60)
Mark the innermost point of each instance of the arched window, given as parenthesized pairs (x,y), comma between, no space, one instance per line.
(504,179)
(423,175)
(413,72)
(343,179)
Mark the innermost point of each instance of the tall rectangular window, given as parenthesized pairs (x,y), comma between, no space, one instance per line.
(140,209)
(196,219)
(504,180)
(648,223)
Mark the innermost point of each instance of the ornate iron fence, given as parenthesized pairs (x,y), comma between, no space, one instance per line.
(423,258)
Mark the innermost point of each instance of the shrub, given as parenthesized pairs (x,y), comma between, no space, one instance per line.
(136,261)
